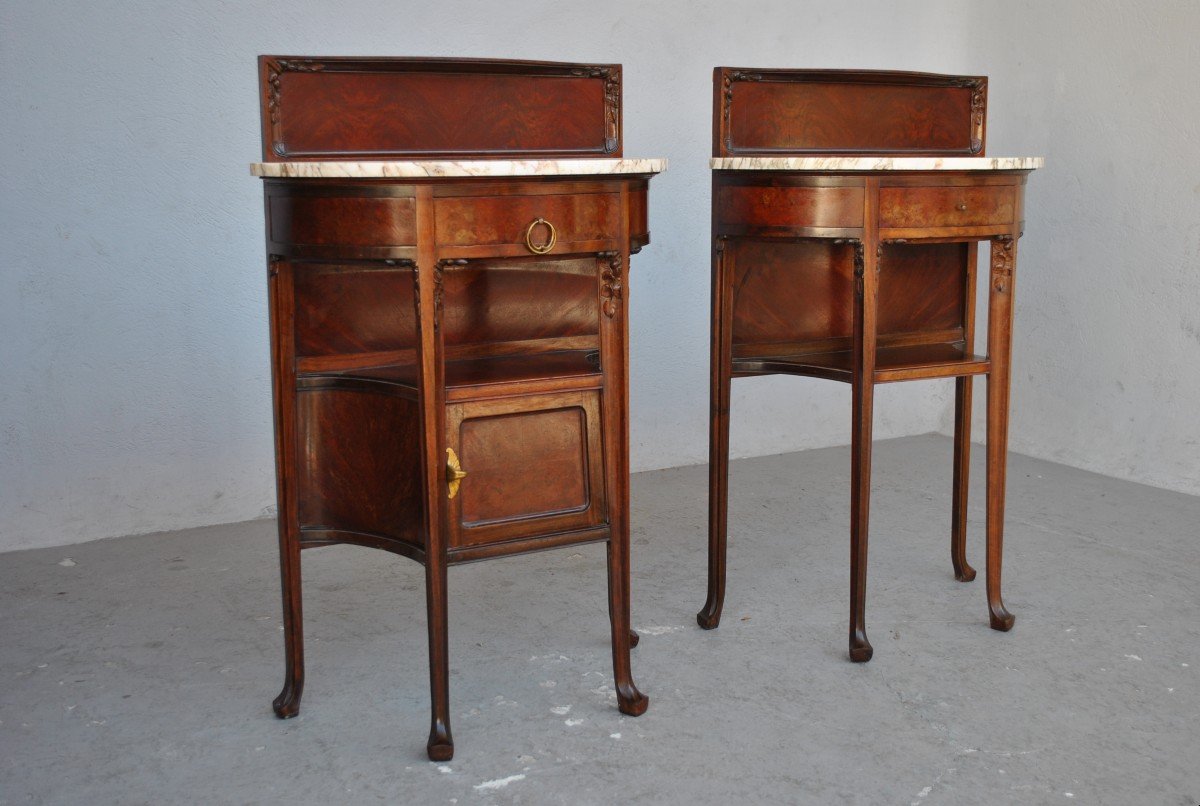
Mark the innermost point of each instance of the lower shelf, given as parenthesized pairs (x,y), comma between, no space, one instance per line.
(469,379)
(906,363)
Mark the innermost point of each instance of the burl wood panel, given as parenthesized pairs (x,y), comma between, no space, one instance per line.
(524,465)
(847,112)
(504,220)
(520,300)
(341,220)
(534,466)
(346,108)
(921,288)
(953,206)
(768,208)
(356,455)
(353,308)
(790,291)
(800,293)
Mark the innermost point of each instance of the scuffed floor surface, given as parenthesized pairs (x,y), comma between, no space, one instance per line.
(141,669)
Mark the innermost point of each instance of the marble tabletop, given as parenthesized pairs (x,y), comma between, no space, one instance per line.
(382,169)
(876,163)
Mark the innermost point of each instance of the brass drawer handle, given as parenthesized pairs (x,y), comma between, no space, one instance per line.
(961,207)
(542,248)
(454,473)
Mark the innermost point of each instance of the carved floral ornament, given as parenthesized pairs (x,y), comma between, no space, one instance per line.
(612,102)
(610,282)
(1002,262)
(438,273)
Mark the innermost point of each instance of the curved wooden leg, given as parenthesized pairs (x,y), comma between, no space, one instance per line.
(629,700)
(963,572)
(441,744)
(280,288)
(1000,314)
(862,396)
(860,500)
(287,704)
(718,442)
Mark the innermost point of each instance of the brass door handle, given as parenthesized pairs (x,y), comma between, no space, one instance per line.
(542,248)
(454,473)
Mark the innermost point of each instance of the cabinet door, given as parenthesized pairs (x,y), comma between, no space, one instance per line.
(534,467)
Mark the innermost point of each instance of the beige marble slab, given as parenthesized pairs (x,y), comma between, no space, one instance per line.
(380,169)
(876,163)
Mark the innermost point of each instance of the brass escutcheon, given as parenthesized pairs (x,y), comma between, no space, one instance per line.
(454,473)
(543,248)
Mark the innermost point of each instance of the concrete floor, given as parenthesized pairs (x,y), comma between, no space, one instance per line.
(141,670)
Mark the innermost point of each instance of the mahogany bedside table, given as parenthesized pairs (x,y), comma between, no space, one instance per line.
(846,210)
(447,243)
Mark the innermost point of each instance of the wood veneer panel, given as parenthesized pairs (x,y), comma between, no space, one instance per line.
(512,458)
(369,108)
(847,112)
(356,454)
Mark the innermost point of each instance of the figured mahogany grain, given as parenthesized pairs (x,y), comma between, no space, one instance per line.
(846,112)
(365,108)
(946,206)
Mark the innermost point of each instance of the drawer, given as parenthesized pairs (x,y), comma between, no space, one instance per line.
(575,218)
(534,466)
(952,206)
(347,221)
(744,208)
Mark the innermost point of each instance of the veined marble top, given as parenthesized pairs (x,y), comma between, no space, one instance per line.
(876,163)
(381,169)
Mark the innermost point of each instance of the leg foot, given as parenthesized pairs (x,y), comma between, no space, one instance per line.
(709,617)
(860,648)
(287,704)
(1000,618)
(630,701)
(440,746)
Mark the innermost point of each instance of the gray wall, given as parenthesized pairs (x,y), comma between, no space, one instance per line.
(1107,347)
(132,295)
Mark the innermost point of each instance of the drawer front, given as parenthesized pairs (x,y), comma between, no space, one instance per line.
(743,208)
(348,221)
(470,221)
(964,206)
(534,467)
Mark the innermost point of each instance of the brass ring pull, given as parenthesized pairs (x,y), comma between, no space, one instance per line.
(961,207)
(542,248)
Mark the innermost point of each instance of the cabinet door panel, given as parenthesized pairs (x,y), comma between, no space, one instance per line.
(534,466)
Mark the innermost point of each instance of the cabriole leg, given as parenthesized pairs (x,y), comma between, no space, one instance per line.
(1000,314)
(862,405)
(721,357)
